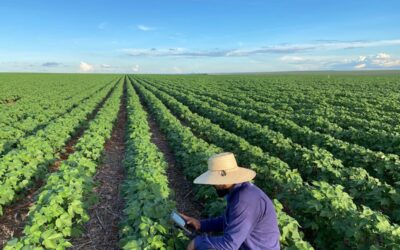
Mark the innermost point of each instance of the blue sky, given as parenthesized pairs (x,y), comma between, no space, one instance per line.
(198,36)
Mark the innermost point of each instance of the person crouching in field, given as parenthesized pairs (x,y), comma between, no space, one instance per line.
(249,220)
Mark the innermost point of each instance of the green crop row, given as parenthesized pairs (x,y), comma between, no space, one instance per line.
(192,153)
(313,164)
(35,94)
(324,209)
(347,93)
(145,224)
(361,97)
(378,164)
(21,166)
(61,206)
(371,133)
(11,134)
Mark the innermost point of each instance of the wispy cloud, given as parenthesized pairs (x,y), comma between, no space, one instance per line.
(173,52)
(51,64)
(356,44)
(360,66)
(144,27)
(105,66)
(85,67)
(102,25)
(314,62)
(385,60)
(271,49)
(375,61)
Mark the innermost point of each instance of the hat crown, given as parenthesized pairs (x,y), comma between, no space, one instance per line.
(222,161)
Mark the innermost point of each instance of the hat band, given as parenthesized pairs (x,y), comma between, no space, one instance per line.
(226,170)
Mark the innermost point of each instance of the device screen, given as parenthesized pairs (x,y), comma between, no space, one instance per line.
(178,219)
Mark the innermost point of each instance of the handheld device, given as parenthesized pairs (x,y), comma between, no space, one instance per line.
(180,222)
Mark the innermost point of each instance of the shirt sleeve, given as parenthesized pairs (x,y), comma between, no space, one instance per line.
(243,217)
(212,225)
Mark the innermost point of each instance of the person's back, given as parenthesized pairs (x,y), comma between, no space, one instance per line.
(249,222)
(264,234)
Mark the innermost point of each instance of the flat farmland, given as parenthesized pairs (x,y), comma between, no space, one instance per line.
(98,161)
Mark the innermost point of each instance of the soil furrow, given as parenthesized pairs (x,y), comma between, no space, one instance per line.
(101,231)
(183,188)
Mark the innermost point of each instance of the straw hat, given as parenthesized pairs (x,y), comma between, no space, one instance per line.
(223,169)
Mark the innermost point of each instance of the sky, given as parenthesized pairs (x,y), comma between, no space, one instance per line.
(198,36)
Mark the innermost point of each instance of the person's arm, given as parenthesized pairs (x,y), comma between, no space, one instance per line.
(212,225)
(207,225)
(243,216)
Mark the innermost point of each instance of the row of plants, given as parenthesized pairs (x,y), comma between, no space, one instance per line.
(378,164)
(368,127)
(372,129)
(61,206)
(335,121)
(328,214)
(313,164)
(21,167)
(35,94)
(148,199)
(11,134)
(371,134)
(192,154)
(358,98)
(339,95)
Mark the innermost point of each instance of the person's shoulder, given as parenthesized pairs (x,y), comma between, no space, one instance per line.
(249,192)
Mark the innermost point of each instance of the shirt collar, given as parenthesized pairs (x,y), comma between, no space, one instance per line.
(235,189)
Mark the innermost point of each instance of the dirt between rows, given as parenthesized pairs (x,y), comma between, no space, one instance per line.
(101,231)
(182,188)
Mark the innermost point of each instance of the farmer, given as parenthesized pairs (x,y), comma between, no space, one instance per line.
(249,220)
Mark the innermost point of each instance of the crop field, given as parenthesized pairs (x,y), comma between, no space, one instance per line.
(98,161)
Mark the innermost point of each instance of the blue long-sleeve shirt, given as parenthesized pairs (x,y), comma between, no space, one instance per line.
(249,222)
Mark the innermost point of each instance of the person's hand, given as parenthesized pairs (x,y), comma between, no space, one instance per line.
(191,246)
(195,223)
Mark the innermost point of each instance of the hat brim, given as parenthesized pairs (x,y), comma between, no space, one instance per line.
(239,175)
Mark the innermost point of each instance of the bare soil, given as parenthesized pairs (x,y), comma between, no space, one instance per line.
(11,101)
(183,188)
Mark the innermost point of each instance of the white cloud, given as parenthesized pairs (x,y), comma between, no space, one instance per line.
(385,60)
(360,66)
(85,67)
(362,58)
(144,27)
(383,56)
(136,68)
(292,59)
(314,60)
